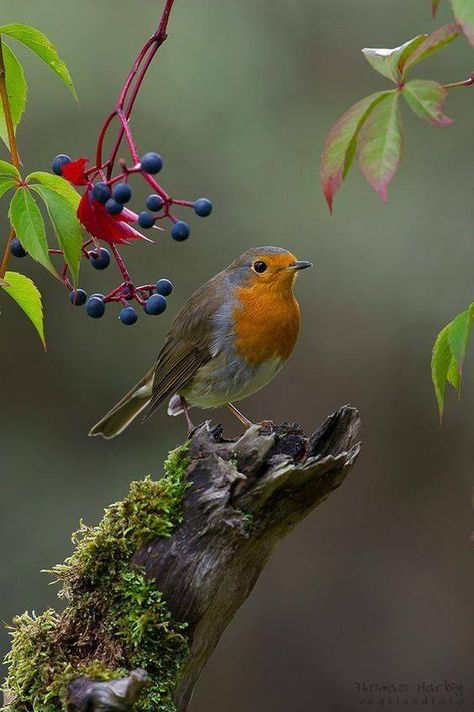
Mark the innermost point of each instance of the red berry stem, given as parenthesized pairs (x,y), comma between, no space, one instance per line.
(120,263)
(137,73)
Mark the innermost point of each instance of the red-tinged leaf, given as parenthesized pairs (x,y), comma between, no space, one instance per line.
(380,144)
(99,223)
(426,99)
(339,147)
(431,44)
(464,14)
(388,61)
(434,7)
(74,171)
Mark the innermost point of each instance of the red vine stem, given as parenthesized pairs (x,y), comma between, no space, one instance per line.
(465,83)
(124,108)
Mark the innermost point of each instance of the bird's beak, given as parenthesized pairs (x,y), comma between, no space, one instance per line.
(300,264)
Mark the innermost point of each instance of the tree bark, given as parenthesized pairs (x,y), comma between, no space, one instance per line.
(244,497)
(237,500)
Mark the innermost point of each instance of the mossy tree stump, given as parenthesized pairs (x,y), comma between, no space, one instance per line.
(151,589)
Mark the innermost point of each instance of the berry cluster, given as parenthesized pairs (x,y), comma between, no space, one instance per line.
(155,303)
(103,208)
(103,212)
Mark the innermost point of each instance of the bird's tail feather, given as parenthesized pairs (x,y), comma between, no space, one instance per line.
(126,410)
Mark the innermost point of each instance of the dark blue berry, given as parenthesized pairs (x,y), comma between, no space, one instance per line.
(151,163)
(164,287)
(128,316)
(59,162)
(203,207)
(101,260)
(180,231)
(122,193)
(97,296)
(95,307)
(78,297)
(154,203)
(16,248)
(101,192)
(113,207)
(156,304)
(146,219)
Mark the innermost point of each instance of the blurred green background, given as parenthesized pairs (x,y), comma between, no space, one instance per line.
(376,586)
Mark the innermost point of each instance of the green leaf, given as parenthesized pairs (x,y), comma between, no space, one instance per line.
(464,14)
(16,90)
(389,61)
(67,227)
(340,144)
(6,184)
(459,332)
(440,366)
(448,356)
(432,43)
(41,46)
(426,99)
(380,144)
(28,224)
(27,296)
(58,184)
(454,377)
(6,169)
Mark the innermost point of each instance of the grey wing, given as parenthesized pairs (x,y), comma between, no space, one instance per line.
(190,343)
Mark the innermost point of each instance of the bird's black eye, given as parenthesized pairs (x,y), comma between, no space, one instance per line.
(259,266)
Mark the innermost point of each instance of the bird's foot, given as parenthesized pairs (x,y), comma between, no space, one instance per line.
(266,425)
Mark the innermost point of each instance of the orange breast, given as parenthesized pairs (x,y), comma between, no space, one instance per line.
(266,322)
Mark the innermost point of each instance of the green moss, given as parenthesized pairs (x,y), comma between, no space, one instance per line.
(116,618)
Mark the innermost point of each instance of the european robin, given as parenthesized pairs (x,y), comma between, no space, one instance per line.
(228,341)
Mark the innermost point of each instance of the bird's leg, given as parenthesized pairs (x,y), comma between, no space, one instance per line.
(239,415)
(189,422)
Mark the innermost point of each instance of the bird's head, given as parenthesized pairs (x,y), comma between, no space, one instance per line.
(270,268)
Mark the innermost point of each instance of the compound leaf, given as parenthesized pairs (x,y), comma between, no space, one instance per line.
(340,144)
(448,355)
